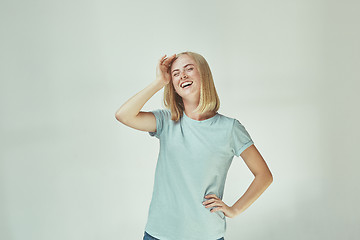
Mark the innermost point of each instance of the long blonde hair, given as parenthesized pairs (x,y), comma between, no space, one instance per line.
(209,100)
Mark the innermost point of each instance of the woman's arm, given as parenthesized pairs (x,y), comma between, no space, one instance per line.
(263,179)
(131,108)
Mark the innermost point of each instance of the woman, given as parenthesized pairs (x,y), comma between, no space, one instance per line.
(197,145)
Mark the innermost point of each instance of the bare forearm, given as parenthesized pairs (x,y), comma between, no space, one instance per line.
(256,188)
(133,106)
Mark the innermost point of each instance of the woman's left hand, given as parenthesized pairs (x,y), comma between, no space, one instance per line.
(214,201)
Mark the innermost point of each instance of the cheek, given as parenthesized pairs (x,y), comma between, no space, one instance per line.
(175,81)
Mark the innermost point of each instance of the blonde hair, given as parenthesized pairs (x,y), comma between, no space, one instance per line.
(209,100)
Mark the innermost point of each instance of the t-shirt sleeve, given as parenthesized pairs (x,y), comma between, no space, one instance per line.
(160,122)
(240,138)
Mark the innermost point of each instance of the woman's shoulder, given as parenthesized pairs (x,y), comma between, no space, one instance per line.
(227,118)
(162,112)
(226,121)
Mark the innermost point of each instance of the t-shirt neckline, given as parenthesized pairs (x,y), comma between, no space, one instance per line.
(201,121)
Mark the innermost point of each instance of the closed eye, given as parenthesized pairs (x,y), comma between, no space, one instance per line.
(176,74)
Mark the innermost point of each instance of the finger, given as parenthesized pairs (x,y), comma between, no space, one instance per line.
(214,204)
(215,209)
(209,201)
(166,62)
(161,60)
(162,57)
(170,59)
(173,57)
(211,195)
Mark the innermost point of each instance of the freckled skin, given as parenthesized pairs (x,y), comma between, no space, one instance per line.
(190,95)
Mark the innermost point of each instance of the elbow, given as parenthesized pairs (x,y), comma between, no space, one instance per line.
(270,178)
(267,177)
(119,117)
(122,116)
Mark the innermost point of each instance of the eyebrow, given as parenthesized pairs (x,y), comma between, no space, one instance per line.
(184,67)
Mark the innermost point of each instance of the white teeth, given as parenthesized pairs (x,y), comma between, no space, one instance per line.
(185,83)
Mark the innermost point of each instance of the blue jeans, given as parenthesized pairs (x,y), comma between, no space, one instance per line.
(149,237)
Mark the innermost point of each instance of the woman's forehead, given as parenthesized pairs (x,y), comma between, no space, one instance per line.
(181,61)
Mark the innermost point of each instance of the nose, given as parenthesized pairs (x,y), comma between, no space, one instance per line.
(183,75)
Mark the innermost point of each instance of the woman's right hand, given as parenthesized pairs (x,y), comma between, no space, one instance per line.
(163,74)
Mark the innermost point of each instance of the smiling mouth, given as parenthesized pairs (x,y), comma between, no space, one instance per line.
(186,85)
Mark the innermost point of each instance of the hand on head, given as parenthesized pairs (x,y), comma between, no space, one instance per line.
(163,68)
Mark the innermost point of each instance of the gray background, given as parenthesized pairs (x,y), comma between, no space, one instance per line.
(288,70)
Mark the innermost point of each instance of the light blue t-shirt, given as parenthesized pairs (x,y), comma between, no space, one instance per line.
(193,161)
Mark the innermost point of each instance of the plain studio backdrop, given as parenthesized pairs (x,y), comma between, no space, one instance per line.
(288,70)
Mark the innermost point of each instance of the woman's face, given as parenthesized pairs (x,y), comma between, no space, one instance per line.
(183,70)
